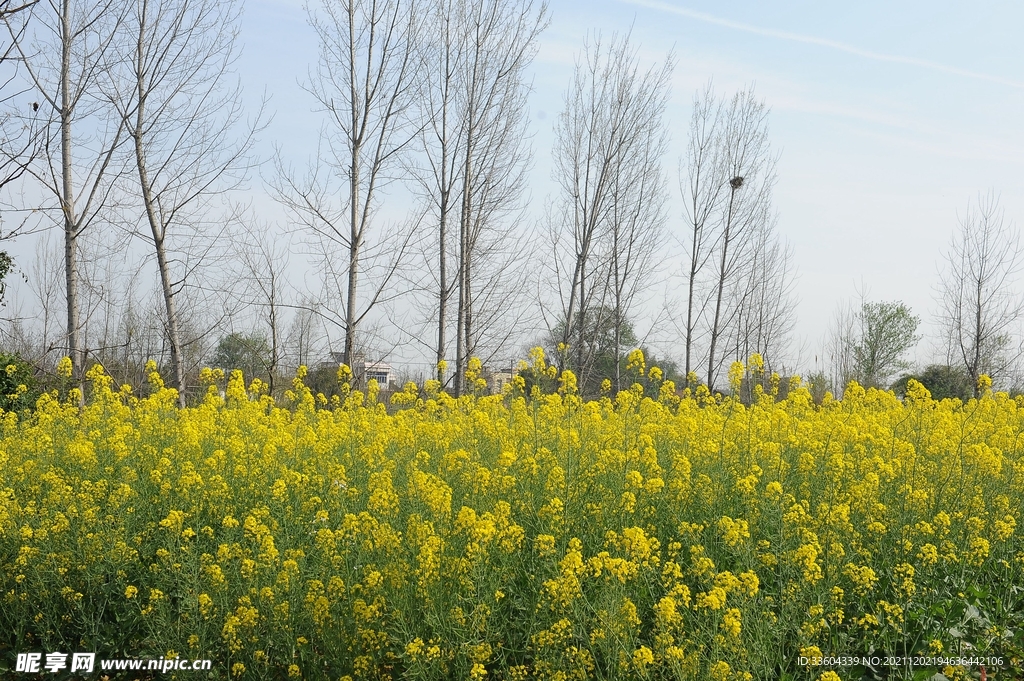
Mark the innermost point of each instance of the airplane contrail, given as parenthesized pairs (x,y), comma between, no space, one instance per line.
(823,42)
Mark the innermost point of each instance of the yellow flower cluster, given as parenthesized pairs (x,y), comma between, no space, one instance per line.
(518,536)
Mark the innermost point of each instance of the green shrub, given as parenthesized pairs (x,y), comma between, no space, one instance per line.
(18,387)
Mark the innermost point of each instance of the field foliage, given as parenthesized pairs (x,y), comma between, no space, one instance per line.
(672,534)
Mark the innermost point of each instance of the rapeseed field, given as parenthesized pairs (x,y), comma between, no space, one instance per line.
(666,534)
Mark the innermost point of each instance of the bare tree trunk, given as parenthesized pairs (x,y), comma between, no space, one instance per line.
(581,323)
(443,294)
(275,332)
(617,295)
(166,287)
(691,282)
(462,321)
(722,273)
(68,198)
(973,367)
(355,228)
(462,341)
(173,335)
(355,241)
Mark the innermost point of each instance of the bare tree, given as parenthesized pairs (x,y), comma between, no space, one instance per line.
(65,55)
(45,285)
(840,338)
(440,58)
(750,175)
(169,82)
(19,138)
(637,216)
(35,336)
(8,8)
(474,143)
(142,338)
(738,275)
(304,336)
(364,86)
(762,308)
(501,37)
(106,275)
(703,191)
(979,307)
(264,262)
(608,142)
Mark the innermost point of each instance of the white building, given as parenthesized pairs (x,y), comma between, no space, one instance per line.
(364,371)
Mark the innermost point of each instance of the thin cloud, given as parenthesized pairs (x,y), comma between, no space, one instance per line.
(823,42)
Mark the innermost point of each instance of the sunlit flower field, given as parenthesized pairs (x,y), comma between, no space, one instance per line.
(666,534)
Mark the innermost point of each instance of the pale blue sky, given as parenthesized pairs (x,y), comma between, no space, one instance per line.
(888,117)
